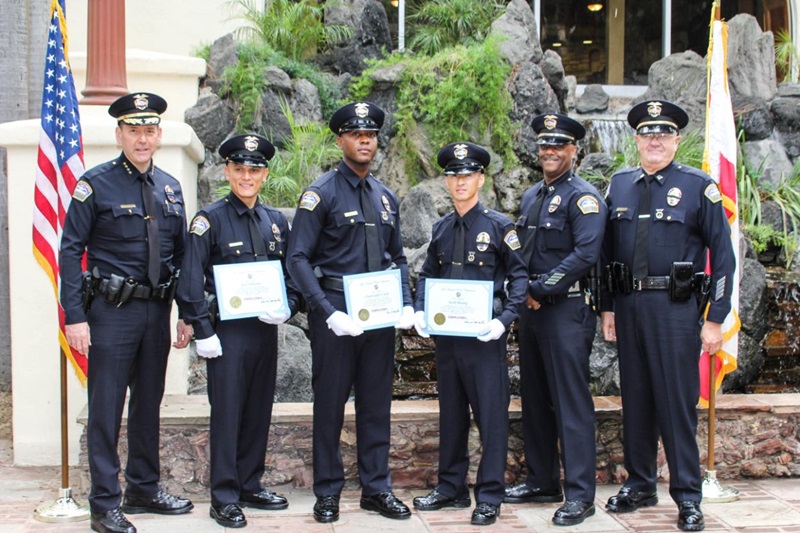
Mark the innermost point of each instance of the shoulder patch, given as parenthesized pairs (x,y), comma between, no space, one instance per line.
(588,204)
(309,200)
(200,225)
(512,240)
(82,191)
(712,193)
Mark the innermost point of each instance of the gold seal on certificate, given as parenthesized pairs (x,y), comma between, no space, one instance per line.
(375,299)
(457,307)
(250,289)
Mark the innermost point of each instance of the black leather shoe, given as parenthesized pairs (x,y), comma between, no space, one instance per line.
(690,517)
(573,512)
(112,521)
(266,499)
(327,508)
(524,494)
(628,500)
(436,500)
(162,502)
(485,514)
(228,515)
(387,504)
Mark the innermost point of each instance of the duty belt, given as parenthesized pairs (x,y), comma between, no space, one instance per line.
(142,292)
(331,283)
(651,283)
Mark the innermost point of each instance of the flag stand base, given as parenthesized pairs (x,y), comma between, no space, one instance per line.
(64,509)
(713,492)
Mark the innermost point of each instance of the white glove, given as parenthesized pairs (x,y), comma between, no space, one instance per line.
(420,325)
(406,320)
(494,330)
(208,348)
(274,318)
(342,325)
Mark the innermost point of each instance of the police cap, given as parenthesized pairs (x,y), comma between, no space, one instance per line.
(657,116)
(357,116)
(556,129)
(138,109)
(250,150)
(463,158)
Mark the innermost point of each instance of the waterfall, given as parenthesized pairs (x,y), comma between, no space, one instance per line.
(605,135)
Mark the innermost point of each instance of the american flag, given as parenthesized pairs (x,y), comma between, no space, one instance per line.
(59,164)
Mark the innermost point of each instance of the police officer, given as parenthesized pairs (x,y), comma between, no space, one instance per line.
(561,224)
(241,354)
(347,223)
(472,243)
(128,216)
(663,219)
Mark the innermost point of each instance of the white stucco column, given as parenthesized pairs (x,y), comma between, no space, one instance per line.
(34,323)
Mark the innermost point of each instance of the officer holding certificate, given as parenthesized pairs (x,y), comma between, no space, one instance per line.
(347,223)
(561,224)
(241,354)
(472,243)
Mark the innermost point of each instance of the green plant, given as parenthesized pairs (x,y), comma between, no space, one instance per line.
(293,27)
(245,83)
(440,24)
(762,237)
(787,57)
(203,52)
(458,94)
(310,151)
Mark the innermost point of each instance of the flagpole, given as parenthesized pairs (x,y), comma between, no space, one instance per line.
(64,508)
(713,492)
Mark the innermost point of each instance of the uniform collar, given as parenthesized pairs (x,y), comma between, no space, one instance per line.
(566,176)
(470,216)
(239,206)
(131,170)
(352,178)
(660,176)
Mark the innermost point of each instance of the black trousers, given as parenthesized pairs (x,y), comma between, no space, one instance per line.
(554,347)
(241,391)
(339,365)
(659,351)
(130,347)
(472,374)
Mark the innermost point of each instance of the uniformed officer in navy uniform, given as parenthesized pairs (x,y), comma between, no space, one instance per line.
(347,223)
(128,216)
(472,243)
(664,217)
(561,224)
(241,354)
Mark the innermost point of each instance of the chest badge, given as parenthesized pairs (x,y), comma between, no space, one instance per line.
(659,214)
(674,196)
(271,246)
(386,204)
(170,194)
(471,256)
(554,203)
(276,232)
(482,242)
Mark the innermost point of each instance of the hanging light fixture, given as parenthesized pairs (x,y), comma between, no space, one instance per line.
(594,6)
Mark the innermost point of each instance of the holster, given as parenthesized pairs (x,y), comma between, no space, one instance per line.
(497,306)
(702,282)
(173,284)
(681,281)
(87,291)
(619,278)
(213,309)
(593,282)
(113,289)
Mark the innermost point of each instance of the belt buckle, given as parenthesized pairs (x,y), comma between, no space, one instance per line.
(637,284)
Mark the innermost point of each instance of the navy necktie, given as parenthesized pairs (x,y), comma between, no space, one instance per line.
(151,223)
(533,223)
(256,237)
(640,267)
(372,236)
(457,267)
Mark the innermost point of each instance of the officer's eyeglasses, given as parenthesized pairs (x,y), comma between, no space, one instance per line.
(660,137)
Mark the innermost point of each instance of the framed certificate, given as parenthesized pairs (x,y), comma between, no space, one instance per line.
(457,307)
(374,300)
(250,289)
